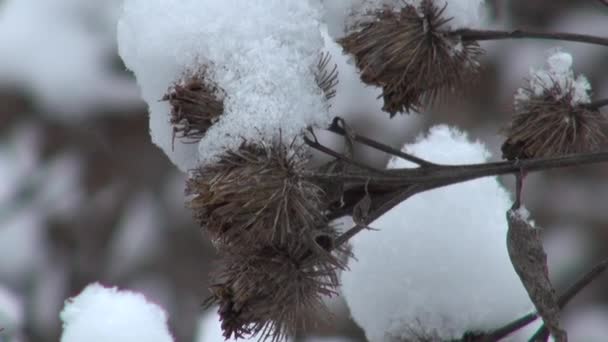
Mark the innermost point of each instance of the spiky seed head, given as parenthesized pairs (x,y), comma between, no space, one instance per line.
(196,104)
(326,75)
(255,196)
(411,56)
(551,124)
(271,292)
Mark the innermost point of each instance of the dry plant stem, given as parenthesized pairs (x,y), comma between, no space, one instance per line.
(394,186)
(543,332)
(563,300)
(479,35)
(597,104)
(336,128)
(604,2)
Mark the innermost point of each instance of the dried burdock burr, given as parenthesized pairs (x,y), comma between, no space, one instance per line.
(256,196)
(270,292)
(196,104)
(551,124)
(410,54)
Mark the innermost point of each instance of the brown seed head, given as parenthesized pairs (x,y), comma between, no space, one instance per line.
(196,103)
(550,125)
(411,57)
(271,292)
(255,196)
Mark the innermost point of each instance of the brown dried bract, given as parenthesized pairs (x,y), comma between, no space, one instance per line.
(411,56)
(196,103)
(271,292)
(255,196)
(327,79)
(549,125)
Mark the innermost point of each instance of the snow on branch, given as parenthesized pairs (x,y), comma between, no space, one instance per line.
(262,55)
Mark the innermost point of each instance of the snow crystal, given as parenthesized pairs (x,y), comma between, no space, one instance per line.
(558,71)
(107,314)
(62,52)
(340,14)
(261,53)
(522,214)
(439,262)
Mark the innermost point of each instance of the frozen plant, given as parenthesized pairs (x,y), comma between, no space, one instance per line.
(237,91)
(552,116)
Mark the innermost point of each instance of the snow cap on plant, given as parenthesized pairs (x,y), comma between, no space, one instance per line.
(551,114)
(272,291)
(256,196)
(263,57)
(407,51)
(108,314)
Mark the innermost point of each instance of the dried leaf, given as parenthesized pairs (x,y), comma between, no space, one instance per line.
(530,263)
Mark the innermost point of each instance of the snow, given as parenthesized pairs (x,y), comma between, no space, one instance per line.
(522,214)
(62,52)
(261,53)
(344,14)
(557,71)
(106,314)
(137,237)
(439,260)
(11,313)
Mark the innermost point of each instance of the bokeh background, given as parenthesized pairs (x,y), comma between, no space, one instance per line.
(86,197)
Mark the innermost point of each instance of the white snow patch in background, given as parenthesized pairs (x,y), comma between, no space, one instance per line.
(137,237)
(62,52)
(12,314)
(439,260)
(22,245)
(557,71)
(262,53)
(101,314)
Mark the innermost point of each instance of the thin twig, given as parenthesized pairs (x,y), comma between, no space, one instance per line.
(596,104)
(604,2)
(390,202)
(543,332)
(563,300)
(317,146)
(336,128)
(439,176)
(478,35)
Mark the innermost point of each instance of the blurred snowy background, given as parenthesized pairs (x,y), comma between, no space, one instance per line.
(86,197)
